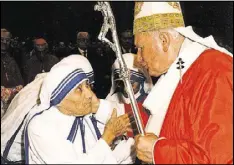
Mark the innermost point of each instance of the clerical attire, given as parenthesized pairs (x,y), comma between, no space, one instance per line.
(83,52)
(197,125)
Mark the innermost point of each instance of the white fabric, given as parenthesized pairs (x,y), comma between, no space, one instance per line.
(48,144)
(19,107)
(125,147)
(167,84)
(126,51)
(124,152)
(58,72)
(151,8)
(106,108)
(98,152)
(118,97)
(48,132)
(209,42)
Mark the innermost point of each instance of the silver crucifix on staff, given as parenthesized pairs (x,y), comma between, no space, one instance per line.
(109,24)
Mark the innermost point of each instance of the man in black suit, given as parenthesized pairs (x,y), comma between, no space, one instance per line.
(40,61)
(126,42)
(83,42)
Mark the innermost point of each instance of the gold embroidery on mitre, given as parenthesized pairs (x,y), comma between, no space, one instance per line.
(138,6)
(158,21)
(175,5)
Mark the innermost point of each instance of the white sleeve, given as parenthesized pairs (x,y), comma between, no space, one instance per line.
(49,147)
(105,110)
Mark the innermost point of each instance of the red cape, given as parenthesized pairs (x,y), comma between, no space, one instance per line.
(199,121)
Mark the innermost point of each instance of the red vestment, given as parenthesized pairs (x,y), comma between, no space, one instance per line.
(199,120)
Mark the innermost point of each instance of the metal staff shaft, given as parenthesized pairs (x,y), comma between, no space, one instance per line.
(109,23)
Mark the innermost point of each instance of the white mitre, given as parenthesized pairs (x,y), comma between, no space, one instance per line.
(151,16)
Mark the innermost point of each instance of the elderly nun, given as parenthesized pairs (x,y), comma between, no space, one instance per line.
(71,125)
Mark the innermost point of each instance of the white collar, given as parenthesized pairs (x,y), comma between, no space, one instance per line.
(160,96)
(190,51)
(125,51)
(209,41)
(82,51)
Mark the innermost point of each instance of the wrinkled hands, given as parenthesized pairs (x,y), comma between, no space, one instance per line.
(115,127)
(144,147)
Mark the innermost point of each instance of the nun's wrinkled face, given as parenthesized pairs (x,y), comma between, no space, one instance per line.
(79,101)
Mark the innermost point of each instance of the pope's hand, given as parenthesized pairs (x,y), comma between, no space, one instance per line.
(144,147)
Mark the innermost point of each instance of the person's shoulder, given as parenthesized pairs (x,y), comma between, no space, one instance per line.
(215,60)
(41,122)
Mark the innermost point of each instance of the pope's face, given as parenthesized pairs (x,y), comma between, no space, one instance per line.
(79,101)
(151,55)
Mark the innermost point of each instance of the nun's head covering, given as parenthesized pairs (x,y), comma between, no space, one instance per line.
(135,76)
(63,77)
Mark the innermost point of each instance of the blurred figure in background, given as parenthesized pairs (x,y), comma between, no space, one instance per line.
(139,82)
(16,52)
(71,47)
(61,50)
(83,43)
(11,79)
(39,62)
(126,42)
(102,68)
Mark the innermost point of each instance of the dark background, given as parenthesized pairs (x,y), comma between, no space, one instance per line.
(61,20)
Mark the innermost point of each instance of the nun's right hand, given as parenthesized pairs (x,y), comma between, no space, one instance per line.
(115,127)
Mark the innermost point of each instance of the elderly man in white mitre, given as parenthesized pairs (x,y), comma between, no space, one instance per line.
(191,105)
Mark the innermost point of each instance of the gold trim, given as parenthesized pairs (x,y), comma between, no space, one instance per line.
(158,21)
(138,6)
(175,5)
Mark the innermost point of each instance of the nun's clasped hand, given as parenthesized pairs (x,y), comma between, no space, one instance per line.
(116,126)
